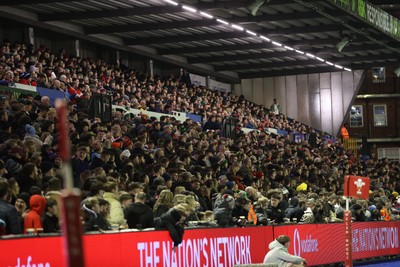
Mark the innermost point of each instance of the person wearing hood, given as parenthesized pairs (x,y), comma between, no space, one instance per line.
(31,135)
(278,254)
(138,215)
(173,220)
(33,219)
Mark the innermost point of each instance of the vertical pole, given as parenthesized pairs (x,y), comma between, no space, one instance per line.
(71,197)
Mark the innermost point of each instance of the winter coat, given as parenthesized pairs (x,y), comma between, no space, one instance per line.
(33,218)
(139,215)
(9,215)
(116,211)
(278,254)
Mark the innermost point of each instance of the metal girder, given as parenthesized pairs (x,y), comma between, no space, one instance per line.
(186,38)
(137,11)
(268,65)
(268,55)
(150,26)
(30,2)
(198,23)
(230,35)
(347,61)
(255,46)
(276,73)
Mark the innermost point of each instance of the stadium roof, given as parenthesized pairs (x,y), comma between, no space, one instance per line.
(221,38)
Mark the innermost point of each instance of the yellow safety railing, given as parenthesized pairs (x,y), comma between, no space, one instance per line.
(351,144)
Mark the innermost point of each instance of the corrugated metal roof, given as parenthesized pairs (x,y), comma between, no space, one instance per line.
(307,25)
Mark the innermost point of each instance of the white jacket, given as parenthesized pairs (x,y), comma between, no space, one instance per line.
(278,254)
(116,212)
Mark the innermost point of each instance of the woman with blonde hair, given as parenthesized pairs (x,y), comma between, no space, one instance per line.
(178,199)
(163,203)
(193,204)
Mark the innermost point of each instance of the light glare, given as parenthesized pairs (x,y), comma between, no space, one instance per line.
(190,9)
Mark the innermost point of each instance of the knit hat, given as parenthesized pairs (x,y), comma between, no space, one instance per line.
(30,130)
(230,185)
(25,197)
(223,179)
(13,167)
(126,141)
(46,166)
(302,187)
(125,154)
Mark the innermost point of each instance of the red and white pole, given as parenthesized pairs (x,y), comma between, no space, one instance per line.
(71,197)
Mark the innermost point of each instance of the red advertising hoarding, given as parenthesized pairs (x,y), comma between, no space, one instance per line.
(318,243)
(373,239)
(202,247)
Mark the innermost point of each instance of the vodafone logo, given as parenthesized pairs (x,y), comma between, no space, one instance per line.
(307,245)
(296,243)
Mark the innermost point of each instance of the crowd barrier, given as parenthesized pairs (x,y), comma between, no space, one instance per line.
(208,247)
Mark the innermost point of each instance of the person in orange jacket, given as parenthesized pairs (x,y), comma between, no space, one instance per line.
(344,133)
(33,218)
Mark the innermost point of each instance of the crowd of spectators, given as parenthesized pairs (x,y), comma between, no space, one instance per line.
(141,172)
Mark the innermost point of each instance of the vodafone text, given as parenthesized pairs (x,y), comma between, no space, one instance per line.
(199,252)
(29,263)
(307,245)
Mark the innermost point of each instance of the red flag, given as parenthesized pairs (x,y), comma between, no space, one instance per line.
(356,186)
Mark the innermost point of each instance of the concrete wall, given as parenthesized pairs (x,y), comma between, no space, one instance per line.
(319,100)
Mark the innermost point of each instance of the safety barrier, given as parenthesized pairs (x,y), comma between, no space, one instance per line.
(351,144)
(320,244)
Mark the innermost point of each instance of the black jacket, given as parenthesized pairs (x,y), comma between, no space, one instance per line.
(160,211)
(50,224)
(170,221)
(9,215)
(139,215)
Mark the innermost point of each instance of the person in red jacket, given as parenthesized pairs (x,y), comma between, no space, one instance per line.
(33,218)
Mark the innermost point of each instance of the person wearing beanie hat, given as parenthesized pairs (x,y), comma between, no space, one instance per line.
(230,185)
(22,207)
(125,154)
(30,130)
(301,187)
(33,218)
(173,220)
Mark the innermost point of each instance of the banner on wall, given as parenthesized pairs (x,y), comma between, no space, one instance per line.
(198,80)
(218,86)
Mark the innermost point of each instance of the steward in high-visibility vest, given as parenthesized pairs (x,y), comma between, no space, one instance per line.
(344,133)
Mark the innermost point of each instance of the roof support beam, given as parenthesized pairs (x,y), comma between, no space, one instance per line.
(30,2)
(257,46)
(198,23)
(138,11)
(252,75)
(346,61)
(230,35)
(122,12)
